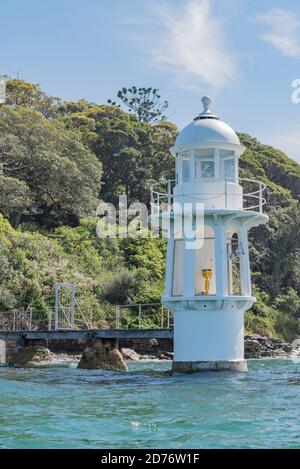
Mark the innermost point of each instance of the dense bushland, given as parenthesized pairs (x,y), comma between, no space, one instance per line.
(58,159)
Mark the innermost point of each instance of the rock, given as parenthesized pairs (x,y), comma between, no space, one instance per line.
(280,353)
(253,348)
(257,346)
(145,343)
(130,354)
(148,357)
(166,356)
(287,347)
(102,355)
(296,348)
(29,354)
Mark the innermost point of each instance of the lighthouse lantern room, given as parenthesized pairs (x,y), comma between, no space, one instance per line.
(208,282)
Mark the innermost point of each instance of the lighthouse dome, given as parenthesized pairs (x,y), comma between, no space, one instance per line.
(207,128)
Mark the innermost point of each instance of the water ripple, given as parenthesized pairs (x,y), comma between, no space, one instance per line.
(63,407)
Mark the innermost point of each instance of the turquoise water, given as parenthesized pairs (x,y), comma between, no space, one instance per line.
(62,407)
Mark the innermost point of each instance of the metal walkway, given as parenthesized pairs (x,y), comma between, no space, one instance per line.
(88,334)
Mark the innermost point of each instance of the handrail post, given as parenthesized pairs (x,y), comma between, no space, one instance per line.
(162,317)
(140,315)
(169,194)
(56,307)
(117,317)
(50,321)
(168,319)
(260,198)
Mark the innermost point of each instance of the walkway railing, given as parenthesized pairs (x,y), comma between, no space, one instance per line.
(134,316)
(143,316)
(162,197)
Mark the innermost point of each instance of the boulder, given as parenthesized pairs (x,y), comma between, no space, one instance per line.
(257,346)
(166,356)
(130,354)
(26,355)
(102,355)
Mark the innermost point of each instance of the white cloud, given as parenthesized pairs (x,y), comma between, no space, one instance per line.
(284,31)
(192,46)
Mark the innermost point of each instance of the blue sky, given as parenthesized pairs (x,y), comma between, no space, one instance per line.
(244,53)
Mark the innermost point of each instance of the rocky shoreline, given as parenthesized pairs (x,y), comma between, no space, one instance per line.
(256,346)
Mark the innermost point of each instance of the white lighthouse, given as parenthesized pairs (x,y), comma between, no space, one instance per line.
(208,283)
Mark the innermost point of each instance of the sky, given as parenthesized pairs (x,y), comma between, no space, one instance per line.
(245,54)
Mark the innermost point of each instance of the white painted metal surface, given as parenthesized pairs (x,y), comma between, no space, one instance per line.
(209,288)
(212,335)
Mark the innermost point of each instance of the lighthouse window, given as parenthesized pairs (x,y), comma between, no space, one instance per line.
(185,169)
(207,169)
(185,165)
(205,264)
(177,287)
(204,163)
(227,162)
(229,169)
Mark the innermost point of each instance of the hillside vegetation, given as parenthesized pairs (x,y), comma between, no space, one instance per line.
(57,159)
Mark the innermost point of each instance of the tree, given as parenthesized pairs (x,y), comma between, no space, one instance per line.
(22,93)
(47,162)
(163,138)
(145,103)
(133,153)
(15,198)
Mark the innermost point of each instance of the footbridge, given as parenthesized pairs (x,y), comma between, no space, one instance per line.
(88,334)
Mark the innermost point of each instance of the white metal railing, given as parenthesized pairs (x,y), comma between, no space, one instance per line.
(254,197)
(133,316)
(162,197)
(143,316)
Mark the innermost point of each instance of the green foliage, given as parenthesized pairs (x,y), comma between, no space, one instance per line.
(23,93)
(15,196)
(145,103)
(274,247)
(47,166)
(51,155)
(132,153)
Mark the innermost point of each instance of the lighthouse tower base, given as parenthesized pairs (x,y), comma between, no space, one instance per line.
(192,367)
(209,340)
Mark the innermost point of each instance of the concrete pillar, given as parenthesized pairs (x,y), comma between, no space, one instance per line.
(2,351)
(29,352)
(102,354)
(210,339)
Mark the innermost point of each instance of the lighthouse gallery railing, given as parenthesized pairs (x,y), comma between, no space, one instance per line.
(162,197)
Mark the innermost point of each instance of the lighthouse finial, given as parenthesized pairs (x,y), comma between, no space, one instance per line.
(206,100)
(206,113)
